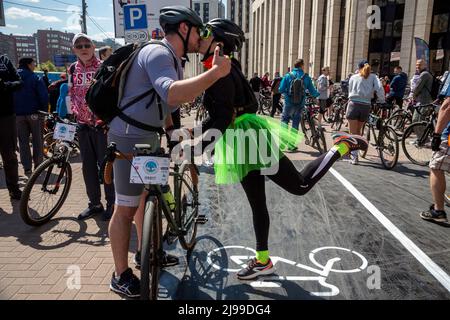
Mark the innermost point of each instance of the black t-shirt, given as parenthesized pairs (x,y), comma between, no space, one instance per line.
(221,99)
(255,83)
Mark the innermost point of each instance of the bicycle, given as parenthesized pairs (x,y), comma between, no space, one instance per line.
(386,142)
(182,220)
(416,140)
(201,114)
(337,112)
(51,119)
(400,120)
(51,178)
(314,136)
(265,102)
(341,260)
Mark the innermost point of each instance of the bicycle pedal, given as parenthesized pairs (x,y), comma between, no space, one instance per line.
(201,219)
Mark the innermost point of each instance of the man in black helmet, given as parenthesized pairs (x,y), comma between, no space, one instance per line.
(157,66)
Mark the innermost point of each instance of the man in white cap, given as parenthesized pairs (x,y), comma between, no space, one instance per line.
(92,137)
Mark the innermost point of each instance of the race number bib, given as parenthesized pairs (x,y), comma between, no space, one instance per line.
(150,170)
(65,132)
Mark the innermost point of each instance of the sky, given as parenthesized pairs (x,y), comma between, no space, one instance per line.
(24,17)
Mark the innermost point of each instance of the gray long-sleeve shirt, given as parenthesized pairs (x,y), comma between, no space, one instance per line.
(422,92)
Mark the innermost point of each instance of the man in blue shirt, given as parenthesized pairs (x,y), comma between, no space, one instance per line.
(292,110)
(440,161)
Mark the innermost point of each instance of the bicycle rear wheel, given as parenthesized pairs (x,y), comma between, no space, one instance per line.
(388,148)
(187,205)
(320,142)
(416,143)
(45,192)
(151,254)
(399,121)
(306,130)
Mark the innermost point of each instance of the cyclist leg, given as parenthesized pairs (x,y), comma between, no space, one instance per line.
(127,199)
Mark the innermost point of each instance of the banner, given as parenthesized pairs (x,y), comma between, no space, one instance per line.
(2,15)
(422,50)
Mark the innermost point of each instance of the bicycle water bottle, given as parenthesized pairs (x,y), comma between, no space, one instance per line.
(168,196)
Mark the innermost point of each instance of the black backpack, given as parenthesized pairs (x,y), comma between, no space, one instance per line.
(106,90)
(435,87)
(297,88)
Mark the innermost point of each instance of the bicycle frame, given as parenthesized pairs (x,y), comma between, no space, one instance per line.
(155,191)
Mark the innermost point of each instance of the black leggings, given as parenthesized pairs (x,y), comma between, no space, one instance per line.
(287,177)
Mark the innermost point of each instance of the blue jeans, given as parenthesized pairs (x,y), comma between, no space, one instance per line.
(294,113)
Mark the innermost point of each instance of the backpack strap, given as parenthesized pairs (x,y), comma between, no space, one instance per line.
(147,93)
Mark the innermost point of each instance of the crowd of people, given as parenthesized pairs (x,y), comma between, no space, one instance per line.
(158,68)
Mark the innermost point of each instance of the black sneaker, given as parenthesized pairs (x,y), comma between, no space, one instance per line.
(90,211)
(168,260)
(255,269)
(15,195)
(439,217)
(107,214)
(127,284)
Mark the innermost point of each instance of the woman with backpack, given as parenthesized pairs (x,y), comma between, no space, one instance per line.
(362,87)
(243,136)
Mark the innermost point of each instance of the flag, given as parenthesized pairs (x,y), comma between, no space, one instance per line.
(422,50)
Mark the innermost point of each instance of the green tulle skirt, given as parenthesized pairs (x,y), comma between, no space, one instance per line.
(252,142)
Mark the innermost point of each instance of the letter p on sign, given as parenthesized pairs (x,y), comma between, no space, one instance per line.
(135,16)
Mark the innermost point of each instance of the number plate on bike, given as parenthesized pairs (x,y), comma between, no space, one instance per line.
(64,132)
(150,170)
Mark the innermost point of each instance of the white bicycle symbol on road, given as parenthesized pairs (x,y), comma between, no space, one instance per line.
(321,271)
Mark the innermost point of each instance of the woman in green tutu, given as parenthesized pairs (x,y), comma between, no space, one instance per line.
(250,146)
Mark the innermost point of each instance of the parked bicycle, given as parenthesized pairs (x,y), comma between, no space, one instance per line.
(48,187)
(416,140)
(337,112)
(385,142)
(182,220)
(314,136)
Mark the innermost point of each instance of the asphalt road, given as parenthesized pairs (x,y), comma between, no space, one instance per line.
(356,237)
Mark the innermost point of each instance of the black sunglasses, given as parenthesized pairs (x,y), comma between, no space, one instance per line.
(86,46)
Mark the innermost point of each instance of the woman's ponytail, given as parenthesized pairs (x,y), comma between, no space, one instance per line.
(365,71)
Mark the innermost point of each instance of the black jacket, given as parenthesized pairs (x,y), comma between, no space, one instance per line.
(9,82)
(224,97)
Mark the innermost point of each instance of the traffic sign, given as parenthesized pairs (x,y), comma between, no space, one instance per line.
(133,36)
(135,16)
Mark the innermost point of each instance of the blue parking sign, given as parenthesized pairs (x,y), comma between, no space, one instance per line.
(135,16)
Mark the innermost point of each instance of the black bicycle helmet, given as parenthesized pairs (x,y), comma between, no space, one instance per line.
(228,32)
(173,15)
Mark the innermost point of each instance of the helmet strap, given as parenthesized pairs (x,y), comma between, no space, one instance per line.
(208,53)
(185,42)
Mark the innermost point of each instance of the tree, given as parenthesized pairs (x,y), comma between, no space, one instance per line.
(49,66)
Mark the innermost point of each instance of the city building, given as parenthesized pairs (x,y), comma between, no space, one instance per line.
(53,43)
(339,33)
(239,11)
(209,9)
(26,46)
(8,47)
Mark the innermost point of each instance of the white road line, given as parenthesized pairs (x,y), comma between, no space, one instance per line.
(429,264)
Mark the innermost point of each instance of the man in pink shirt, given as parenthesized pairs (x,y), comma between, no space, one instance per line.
(92,137)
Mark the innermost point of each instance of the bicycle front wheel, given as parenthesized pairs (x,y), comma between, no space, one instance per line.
(416,143)
(151,254)
(45,192)
(388,148)
(187,205)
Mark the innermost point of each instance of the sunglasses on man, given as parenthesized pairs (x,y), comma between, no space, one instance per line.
(85,46)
